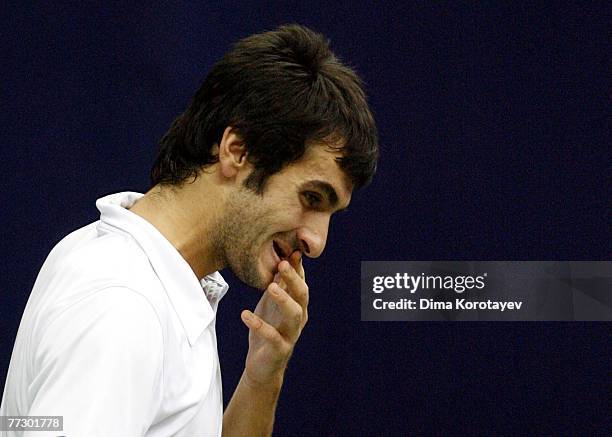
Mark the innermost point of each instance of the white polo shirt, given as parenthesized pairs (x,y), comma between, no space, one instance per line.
(118,335)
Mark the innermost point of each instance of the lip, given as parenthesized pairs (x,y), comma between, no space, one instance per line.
(274,254)
(284,249)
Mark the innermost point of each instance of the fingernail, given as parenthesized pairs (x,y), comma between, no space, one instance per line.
(252,320)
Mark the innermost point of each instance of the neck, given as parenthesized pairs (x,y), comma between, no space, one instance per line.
(187,218)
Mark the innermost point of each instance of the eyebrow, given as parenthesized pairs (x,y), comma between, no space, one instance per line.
(327,189)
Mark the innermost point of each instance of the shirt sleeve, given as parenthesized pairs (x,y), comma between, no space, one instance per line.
(99,365)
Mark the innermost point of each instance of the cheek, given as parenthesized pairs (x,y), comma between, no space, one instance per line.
(280,219)
(287,222)
(284,216)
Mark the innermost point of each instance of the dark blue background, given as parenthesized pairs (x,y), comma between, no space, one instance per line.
(493,122)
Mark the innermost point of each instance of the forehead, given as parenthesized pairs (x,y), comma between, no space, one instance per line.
(319,164)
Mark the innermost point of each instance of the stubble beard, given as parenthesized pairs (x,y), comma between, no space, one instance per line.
(240,236)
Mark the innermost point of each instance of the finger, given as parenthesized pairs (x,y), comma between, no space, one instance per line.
(293,315)
(295,259)
(264,330)
(296,286)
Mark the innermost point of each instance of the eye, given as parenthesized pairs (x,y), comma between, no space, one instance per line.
(312,199)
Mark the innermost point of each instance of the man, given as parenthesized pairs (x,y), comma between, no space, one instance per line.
(118,335)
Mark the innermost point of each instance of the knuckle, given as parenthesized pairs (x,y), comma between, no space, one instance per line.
(297,319)
(286,348)
(302,290)
(298,312)
(280,295)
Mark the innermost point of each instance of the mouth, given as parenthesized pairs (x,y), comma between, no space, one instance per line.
(281,252)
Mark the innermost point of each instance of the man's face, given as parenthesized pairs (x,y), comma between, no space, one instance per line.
(293,213)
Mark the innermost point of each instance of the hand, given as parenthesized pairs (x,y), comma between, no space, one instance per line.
(276,325)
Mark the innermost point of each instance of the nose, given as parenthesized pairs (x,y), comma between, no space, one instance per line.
(313,235)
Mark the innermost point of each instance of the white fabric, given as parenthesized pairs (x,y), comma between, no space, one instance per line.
(118,335)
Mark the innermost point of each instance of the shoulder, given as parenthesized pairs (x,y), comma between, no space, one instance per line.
(96,280)
(91,259)
(112,320)
(115,256)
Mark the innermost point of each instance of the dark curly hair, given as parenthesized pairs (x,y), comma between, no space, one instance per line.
(282,91)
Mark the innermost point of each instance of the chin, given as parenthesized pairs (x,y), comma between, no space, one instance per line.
(265,276)
(265,279)
(258,278)
(253,274)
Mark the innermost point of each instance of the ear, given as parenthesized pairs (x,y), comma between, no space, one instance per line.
(232,153)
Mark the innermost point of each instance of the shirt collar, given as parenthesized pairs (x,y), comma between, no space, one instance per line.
(196,309)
